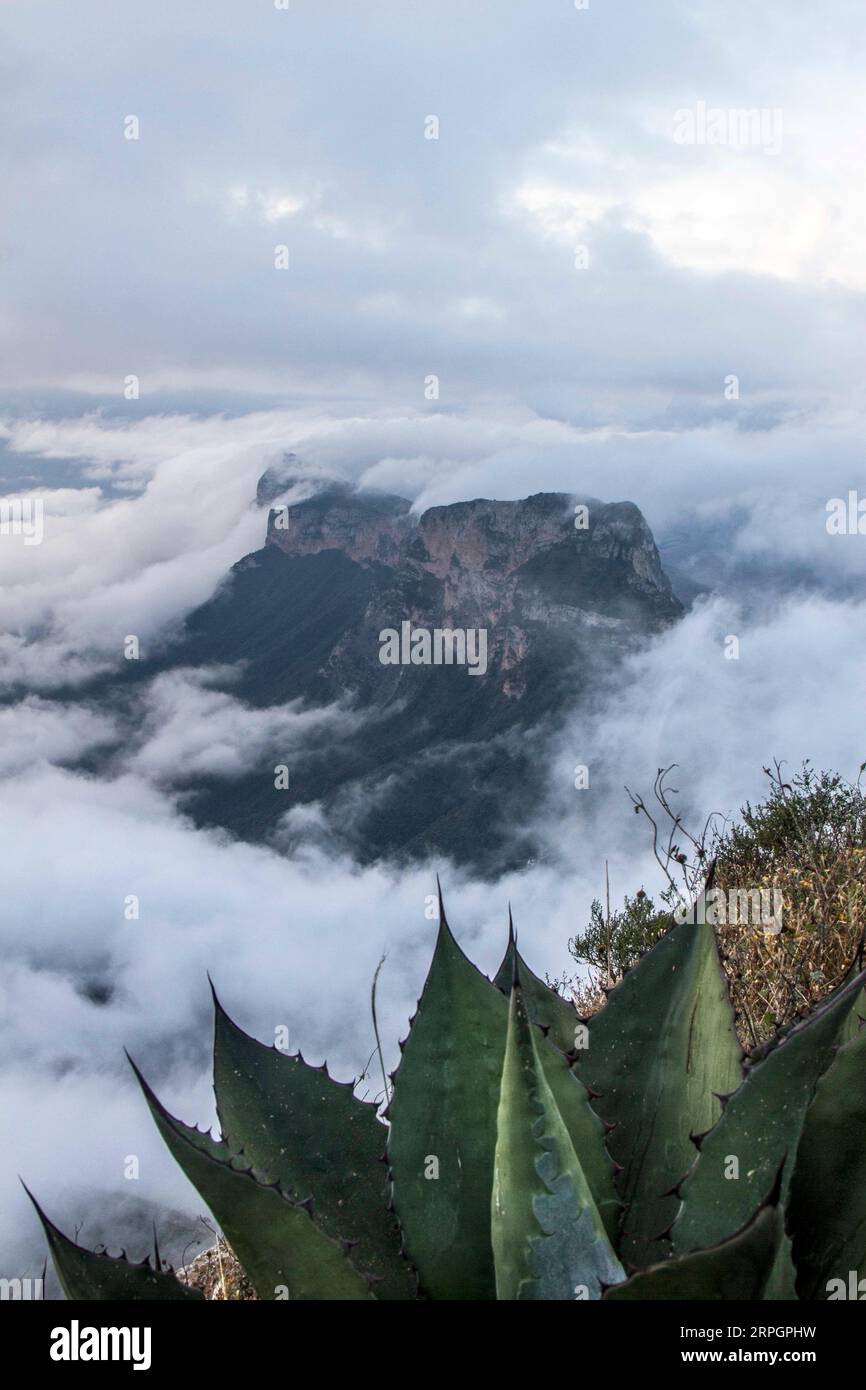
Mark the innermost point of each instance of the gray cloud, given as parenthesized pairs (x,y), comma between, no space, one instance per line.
(411,256)
(189,730)
(36,730)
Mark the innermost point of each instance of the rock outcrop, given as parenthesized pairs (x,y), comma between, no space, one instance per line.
(428,757)
(541,566)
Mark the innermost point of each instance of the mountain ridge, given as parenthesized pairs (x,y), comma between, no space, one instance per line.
(419,759)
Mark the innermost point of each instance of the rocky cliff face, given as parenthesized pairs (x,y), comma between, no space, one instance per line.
(531,570)
(333,516)
(422,758)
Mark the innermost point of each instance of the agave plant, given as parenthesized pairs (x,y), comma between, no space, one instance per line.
(529,1154)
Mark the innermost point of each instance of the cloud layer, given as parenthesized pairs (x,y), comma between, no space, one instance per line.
(454,256)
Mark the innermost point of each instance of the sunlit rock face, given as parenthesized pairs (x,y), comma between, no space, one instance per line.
(511,567)
(450,646)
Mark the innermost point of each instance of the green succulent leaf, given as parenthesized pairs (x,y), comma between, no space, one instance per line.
(282,1250)
(545,1006)
(659,1053)
(827,1200)
(737,1268)
(96,1276)
(561,1023)
(760,1130)
(299,1128)
(443,1119)
(585,1130)
(443,1126)
(856,1018)
(549,1241)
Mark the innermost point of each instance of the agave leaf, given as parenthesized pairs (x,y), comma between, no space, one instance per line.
(546,1006)
(283,1252)
(549,1241)
(737,1268)
(585,1129)
(827,1201)
(91,1275)
(443,1120)
(660,1052)
(763,1050)
(560,1022)
(856,1018)
(298,1127)
(760,1130)
(782,1284)
(443,1126)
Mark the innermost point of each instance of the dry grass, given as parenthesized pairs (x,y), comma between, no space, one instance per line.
(218,1275)
(775,979)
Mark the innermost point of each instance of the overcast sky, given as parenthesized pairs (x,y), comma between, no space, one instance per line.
(306,127)
(580,281)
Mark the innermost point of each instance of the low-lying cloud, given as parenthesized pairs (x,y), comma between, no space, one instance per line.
(190,730)
(114,565)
